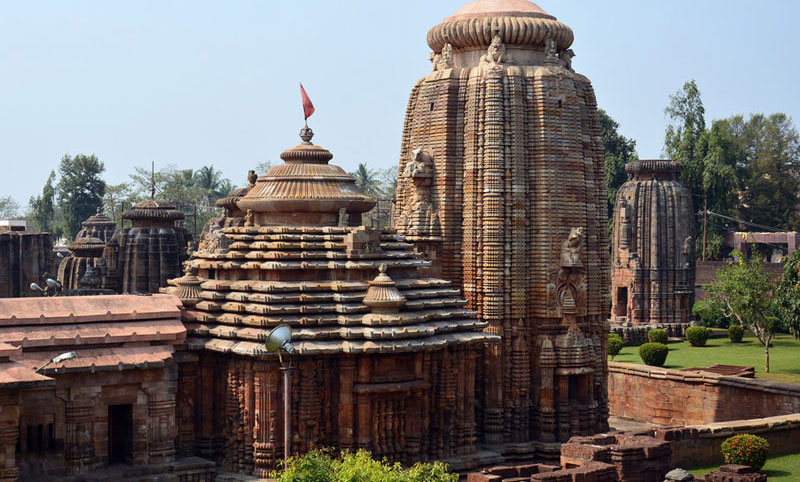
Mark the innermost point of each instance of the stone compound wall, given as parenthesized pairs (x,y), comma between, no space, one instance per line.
(24,256)
(672,397)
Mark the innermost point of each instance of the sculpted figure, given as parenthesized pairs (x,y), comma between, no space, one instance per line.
(249,218)
(435,58)
(496,53)
(419,166)
(252,177)
(91,278)
(344,218)
(571,249)
(551,48)
(445,60)
(566,56)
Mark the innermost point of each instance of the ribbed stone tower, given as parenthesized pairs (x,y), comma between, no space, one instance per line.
(142,257)
(98,226)
(501,186)
(653,249)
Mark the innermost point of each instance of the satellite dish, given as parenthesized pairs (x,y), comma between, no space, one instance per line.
(280,339)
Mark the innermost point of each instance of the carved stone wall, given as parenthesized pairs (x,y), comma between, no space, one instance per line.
(654,247)
(24,257)
(502,142)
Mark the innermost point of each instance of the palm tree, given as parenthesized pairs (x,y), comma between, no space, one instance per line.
(368,181)
(211,181)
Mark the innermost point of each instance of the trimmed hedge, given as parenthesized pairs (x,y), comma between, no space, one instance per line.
(658,336)
(654,354)
(735,333)
(697,335)
(615,344)
(746,449)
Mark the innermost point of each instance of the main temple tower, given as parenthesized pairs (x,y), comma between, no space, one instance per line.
(501,185)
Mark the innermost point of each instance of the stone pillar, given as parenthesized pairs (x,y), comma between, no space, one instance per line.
(161,425)
(347,376)
(79,443)
(187,379)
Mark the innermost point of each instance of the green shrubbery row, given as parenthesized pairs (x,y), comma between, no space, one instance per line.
(322,466)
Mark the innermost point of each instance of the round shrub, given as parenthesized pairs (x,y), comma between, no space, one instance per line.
(658,336)
(746,449)
(654,354)
(735,333)
(697,335)
(615,344)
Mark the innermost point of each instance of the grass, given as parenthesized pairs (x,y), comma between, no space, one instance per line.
(778,467)
(784,355)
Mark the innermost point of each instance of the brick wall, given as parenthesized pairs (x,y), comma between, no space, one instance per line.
(672,397)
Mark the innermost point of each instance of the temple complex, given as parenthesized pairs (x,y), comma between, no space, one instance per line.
(386,359)
(501,186)
(653,250)
(142,257)
(84,269)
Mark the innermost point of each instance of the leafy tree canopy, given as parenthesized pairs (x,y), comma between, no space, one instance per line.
(787,294)
(80,190)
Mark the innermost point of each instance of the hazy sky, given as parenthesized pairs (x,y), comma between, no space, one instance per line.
(195,83)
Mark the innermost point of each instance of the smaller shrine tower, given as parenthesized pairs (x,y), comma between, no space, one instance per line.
(653,249)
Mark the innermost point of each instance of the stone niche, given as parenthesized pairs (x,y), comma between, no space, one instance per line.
(387,359)
(653,250)
(501,186)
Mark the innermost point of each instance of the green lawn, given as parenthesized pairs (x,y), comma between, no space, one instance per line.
(778,467)
(784,356)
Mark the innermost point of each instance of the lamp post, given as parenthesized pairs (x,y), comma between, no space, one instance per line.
(58,359)
(280,341)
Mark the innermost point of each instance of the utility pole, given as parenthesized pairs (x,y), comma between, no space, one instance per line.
(705,223)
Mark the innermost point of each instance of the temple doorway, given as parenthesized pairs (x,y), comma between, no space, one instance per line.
(621,308)
(120,434)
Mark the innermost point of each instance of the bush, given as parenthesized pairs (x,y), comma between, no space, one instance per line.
(746,449)
(319,466)
(735,333)
(615,344)
(654,354)
(658,336)
(697,335)
(706,315)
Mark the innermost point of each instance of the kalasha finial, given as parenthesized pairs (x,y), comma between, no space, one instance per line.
(252,177)
(306,134)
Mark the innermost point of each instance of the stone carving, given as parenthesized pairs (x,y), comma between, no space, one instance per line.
(92,278)
(252,177)
(496,53)
(344,218)
(550,48)
(566,56)
(249,219)
(571,249)
(653,247)
(445,60)
(434,58)
(504,201)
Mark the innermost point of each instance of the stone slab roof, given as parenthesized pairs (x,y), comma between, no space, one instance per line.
(115,332)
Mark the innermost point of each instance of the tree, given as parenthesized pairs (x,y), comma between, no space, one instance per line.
(368,181)
(742,290)
(80,190)
(42,208)
(618,151)
(9,207)
(388,178)
(263,167)
(771,181)
(212,181)
(787,294)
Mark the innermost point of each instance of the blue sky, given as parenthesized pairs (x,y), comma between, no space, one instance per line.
(196,83)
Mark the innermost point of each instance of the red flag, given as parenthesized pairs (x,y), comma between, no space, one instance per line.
(308,107)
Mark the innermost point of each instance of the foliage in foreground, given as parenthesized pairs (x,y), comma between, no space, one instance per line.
(654,354)
(321,466)
(735,333)
(746,449)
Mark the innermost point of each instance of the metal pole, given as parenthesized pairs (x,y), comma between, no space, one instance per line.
(705,223)
(287,420)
